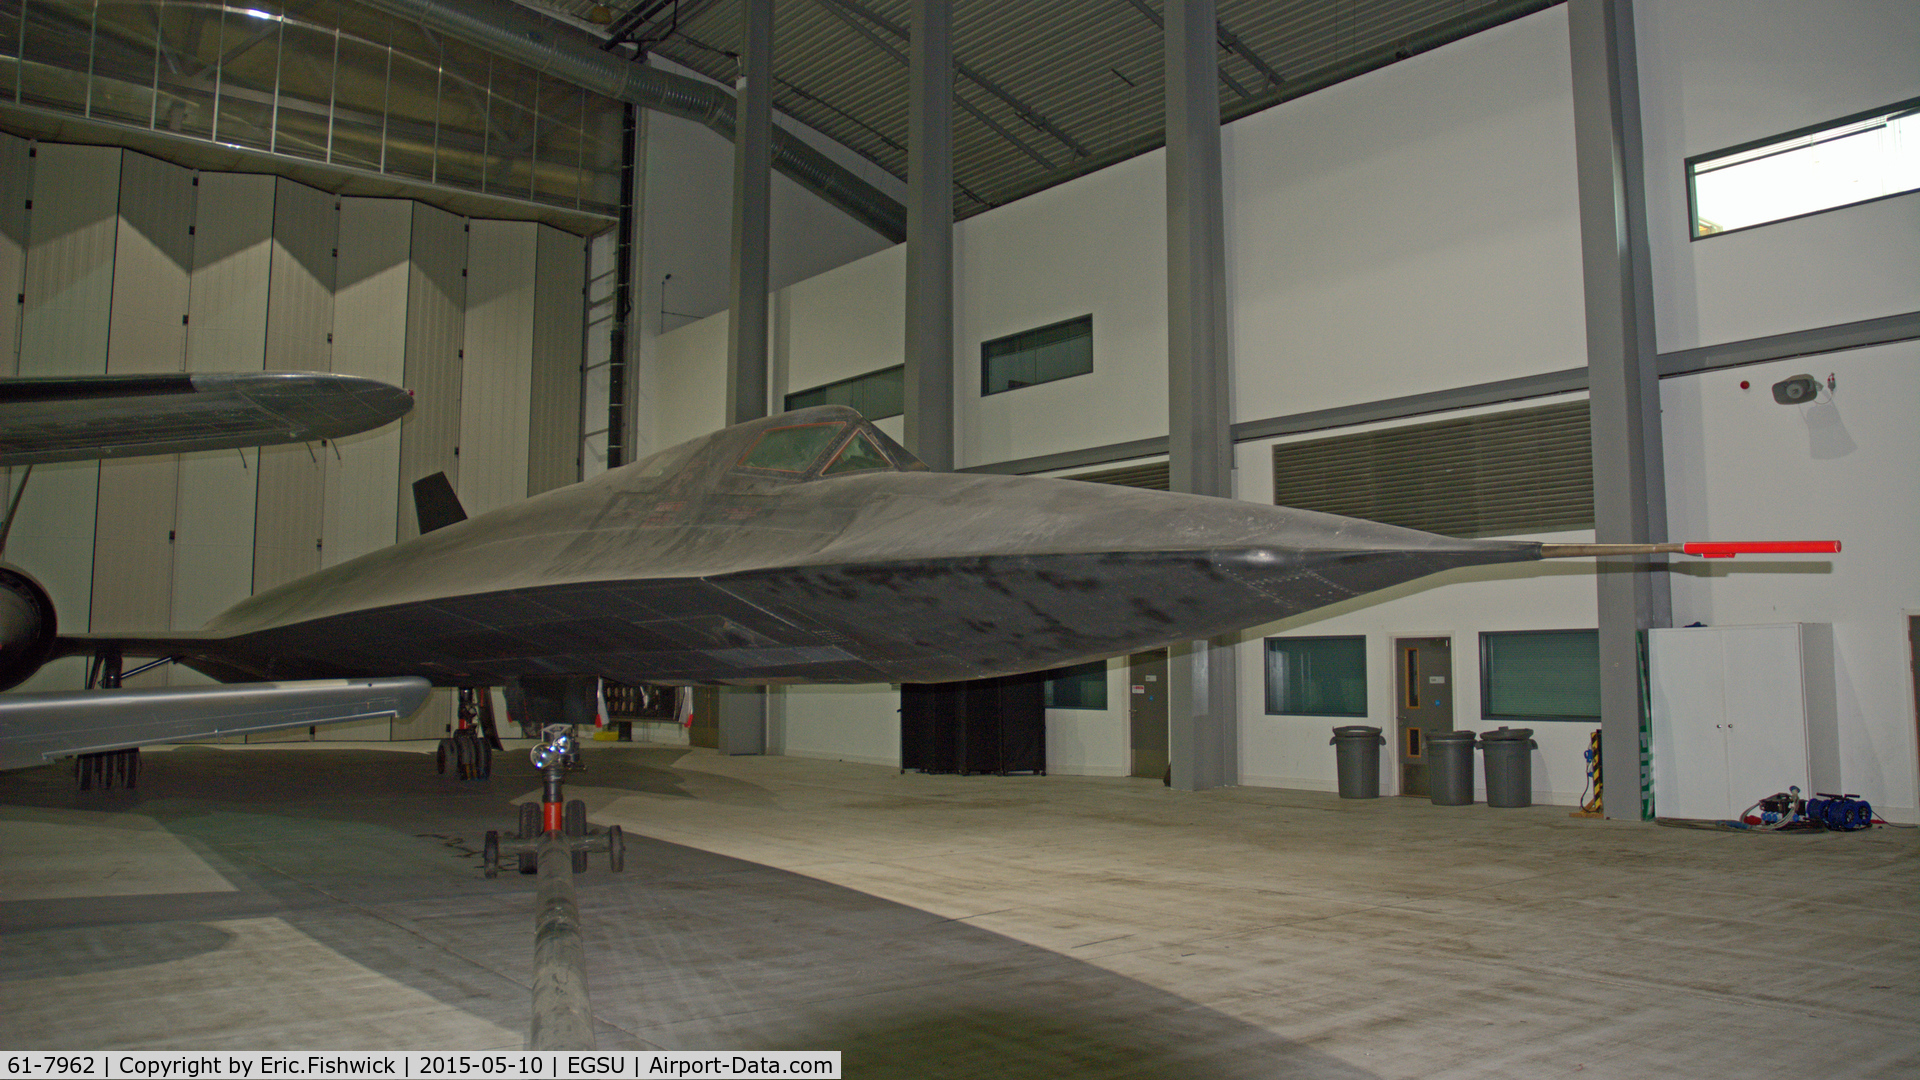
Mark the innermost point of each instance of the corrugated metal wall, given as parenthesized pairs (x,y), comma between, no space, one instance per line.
(128,264)
(146,334)
(16,182)
(436,303)
(293,482)
(72,225)
(559,346)
(226,331)
(496,382)
(369,339)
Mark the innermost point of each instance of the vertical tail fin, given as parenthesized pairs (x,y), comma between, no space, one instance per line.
(435,504)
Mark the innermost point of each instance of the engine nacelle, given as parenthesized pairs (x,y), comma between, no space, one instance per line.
(27,626)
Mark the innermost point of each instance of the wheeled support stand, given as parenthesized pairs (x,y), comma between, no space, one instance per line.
(555,813)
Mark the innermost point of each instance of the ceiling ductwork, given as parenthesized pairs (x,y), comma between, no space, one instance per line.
(505,29)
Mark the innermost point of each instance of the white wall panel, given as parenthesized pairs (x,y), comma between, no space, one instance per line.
(370,340)
(1093,742)
(436,300)
(1410,230)
(1098,249)
(153,255)
(1718,73)
(1740,466)
(824,336)
(559,310)
(691,372)
(287,530)
(496,379)
(63,331)
(226,332)
(843,723)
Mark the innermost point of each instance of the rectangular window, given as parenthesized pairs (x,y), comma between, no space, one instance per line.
(1317,676)
(1060,351)
(1540,675)
(1083,686)
(875,395)
(1852,160)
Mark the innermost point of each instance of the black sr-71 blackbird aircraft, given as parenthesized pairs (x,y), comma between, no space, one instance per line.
(806,547)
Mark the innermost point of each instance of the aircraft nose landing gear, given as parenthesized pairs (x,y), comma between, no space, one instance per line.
(469,750)
(555,813)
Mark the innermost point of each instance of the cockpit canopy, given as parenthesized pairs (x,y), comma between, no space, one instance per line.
(821,443)
(822,448)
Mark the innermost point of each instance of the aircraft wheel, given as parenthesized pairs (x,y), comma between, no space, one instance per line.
(490,853)
(616,849)
(440,758)
(483,759)
(529,862)
(579,861)
(530,821)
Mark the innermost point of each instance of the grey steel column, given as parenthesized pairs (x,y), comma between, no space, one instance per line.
(742,713)
(1202,694)
(929,346)
(1629,473)
(752,185)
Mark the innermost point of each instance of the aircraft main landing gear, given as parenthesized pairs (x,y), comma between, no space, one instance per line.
(554,813)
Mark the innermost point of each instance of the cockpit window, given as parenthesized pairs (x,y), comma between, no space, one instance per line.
(792,449)
(860,455)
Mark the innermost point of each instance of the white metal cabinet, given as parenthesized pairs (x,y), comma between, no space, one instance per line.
(1740,712)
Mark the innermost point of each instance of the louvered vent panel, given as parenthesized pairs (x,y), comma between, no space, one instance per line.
(1525,471)
(1152,476)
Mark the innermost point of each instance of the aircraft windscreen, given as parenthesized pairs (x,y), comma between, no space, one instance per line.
(792,449)
(860,455)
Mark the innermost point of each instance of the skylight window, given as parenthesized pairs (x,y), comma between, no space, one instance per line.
(1852,160)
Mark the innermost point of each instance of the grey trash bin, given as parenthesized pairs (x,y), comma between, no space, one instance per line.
(1356,749)
(1509,766)
(1450,768)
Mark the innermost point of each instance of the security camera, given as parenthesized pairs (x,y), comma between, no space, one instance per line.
(1796,391)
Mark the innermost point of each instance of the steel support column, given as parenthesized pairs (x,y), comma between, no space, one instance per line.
(742,718)
(752,187)
(1202,699)
(1629,475)
(929,345)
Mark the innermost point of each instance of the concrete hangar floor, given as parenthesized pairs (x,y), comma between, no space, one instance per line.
(330,896)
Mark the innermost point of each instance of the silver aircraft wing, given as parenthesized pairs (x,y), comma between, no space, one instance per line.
(38,728)
(79,418)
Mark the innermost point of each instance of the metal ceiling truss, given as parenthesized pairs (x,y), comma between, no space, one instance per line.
(1058,90)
